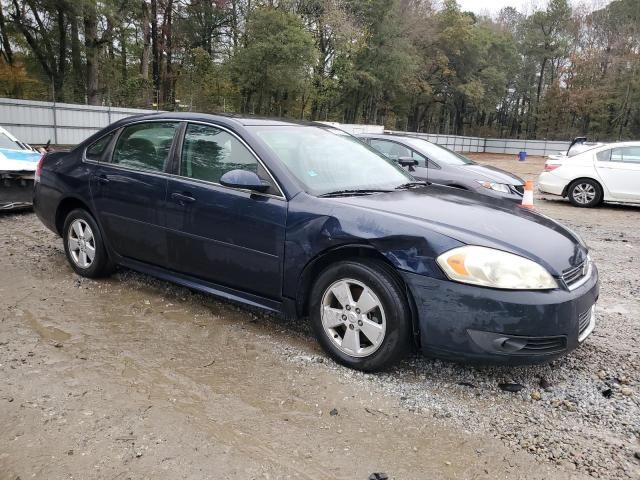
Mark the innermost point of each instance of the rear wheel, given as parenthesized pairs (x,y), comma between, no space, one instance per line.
(585,193)
(83,245)
(360,315)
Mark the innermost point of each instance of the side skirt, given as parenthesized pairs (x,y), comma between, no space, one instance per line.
(194,283)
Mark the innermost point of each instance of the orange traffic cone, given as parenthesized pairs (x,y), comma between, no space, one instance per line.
(527,199)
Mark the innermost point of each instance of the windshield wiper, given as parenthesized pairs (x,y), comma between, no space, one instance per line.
(406,186)
(362,191)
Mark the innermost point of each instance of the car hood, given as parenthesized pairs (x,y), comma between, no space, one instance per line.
(475,219)
(491,174)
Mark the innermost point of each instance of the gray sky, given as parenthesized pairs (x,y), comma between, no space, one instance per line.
(525,6)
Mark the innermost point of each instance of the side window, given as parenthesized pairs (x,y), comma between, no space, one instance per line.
(145,146)
(395,150)
(96,151)
(391,150)
(432,165)
(209,152)
(626,155)
(617,155)
(604,156)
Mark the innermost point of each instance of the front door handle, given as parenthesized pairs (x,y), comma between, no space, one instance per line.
(102,178)
(182,198)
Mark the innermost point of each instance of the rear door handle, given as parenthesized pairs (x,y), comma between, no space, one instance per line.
(102,178)
(182,198)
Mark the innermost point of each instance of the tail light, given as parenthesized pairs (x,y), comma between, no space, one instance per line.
(550,167)
(39,168)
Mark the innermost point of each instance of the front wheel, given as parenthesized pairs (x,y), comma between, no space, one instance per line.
(585,193)
(360,315)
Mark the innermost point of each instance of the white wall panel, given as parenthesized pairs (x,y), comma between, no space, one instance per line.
(68,124)
(62,123)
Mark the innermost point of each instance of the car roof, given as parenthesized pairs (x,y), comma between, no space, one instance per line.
(606,146)
(225,118)
(393,136)
(385,135)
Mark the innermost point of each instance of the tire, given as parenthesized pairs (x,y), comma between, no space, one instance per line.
(383,336)
(585,193)
(82,239)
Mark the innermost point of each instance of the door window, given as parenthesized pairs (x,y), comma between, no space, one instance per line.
(145,146)
(395,150)
(98,149)
(209,152)
(626,155)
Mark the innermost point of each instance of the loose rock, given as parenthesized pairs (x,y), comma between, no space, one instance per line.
(511,387)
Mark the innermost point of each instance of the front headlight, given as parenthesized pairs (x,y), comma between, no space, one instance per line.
(498,187)
(494,268)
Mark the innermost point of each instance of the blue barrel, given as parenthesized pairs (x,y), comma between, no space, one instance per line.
(522,156)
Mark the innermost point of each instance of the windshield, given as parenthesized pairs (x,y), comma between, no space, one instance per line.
(438,153)
(6,142)
(329,160)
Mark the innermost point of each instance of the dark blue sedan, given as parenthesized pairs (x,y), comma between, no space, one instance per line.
(306,220)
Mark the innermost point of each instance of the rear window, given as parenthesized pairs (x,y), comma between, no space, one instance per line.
(582,147)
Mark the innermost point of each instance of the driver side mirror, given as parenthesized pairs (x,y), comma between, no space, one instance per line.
(407,162)
(244,179)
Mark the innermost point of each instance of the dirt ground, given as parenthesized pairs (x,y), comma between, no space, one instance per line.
(130,377)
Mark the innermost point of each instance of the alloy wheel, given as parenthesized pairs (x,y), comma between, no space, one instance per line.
(353,317)
(584,193)
(82,244)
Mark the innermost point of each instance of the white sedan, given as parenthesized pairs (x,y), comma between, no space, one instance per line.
(609,173)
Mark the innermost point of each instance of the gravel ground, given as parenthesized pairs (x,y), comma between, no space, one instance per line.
(577,416)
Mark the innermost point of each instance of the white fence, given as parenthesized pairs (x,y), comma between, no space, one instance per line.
(62,123)
(492,145)
(69,124)
(452,142)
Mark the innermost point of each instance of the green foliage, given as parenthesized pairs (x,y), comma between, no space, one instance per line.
(273,69)
(555,73)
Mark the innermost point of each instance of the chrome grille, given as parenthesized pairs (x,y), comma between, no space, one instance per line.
(574,275)
(586,323)
(583,320)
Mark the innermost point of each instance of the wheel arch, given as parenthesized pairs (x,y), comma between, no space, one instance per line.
(346,252)
(67,205)
(565,191)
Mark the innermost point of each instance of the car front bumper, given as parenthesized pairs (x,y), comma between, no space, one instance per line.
(484,325)
(550,183)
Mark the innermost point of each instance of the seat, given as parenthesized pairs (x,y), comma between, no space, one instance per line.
(140,153)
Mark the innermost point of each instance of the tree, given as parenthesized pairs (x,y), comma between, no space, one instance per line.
(272,70)
(420,65)
(45,30)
